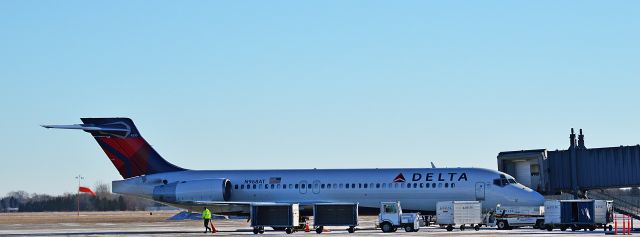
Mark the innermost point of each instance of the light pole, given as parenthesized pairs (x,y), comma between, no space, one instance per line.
(79,177)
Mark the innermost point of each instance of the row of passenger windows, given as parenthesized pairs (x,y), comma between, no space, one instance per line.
(345,186)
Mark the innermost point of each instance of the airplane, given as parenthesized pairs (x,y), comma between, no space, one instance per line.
(231,192)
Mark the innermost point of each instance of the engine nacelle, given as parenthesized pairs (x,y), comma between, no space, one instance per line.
(193,190)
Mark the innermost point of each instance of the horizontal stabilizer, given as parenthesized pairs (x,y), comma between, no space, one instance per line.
(85,127)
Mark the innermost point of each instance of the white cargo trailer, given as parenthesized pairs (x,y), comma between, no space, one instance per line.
(578,214)
(459,213)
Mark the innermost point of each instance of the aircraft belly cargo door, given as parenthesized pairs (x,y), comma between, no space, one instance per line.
(479,191)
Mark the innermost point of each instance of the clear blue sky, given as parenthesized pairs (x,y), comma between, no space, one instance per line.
(304,84)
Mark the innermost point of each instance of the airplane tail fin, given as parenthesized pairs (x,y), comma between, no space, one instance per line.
(123,144)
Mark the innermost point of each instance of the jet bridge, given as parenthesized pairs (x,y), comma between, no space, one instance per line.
(574,170)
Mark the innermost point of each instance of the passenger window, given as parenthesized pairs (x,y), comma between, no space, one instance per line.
(384,185)
(322,186)
(266,186)
(272,185)
(284,186)
(296,186)
(365,185)
(341,185)
(278,186)
(433,185)
(408,185)
(236,186)
(396,185)
(315,185)
(353,185)
(346,186)
(360,185)
(421,185)
(426,185)
(377,185)
(415,185)
(439,185)
(453,185)
(446,185)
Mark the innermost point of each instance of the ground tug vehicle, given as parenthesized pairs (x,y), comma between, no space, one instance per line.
(391,218)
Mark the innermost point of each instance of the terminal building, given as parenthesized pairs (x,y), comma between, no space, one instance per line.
(596,173)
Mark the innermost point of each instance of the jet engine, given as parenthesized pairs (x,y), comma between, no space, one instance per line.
(193,191)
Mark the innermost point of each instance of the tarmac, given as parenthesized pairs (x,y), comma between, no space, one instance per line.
(155,224)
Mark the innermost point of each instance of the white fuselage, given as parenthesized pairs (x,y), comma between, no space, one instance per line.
(420,189)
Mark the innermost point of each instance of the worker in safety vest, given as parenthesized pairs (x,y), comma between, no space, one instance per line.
(206,216)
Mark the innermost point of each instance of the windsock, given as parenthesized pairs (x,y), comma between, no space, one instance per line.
(86,190)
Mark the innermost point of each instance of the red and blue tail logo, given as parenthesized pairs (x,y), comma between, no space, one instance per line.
(127,150)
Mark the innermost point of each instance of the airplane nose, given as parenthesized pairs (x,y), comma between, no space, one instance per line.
(534,199)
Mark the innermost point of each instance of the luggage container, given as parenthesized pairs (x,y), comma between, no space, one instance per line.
(462,213)
(275,215)
(578,214)
(335,214)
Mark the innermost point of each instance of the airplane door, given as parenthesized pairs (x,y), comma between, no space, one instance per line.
(480,191)
(316,186)
(302,187)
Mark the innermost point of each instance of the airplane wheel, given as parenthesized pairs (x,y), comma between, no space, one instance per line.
(351,229)
(386,227)
(449,228)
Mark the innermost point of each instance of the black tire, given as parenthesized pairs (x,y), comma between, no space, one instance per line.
(351,229)
(386,227)
(449,228)
(409,228)
(503,225)
(574,228)
(319,230)
(255,230)
(288,231)
(549,227)
(462,227)
(610,228)
(563,228)
(477,227)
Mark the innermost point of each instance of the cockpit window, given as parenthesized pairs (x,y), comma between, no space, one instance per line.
(504,181)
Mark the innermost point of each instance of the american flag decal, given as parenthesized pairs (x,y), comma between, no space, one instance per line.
(275,180)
